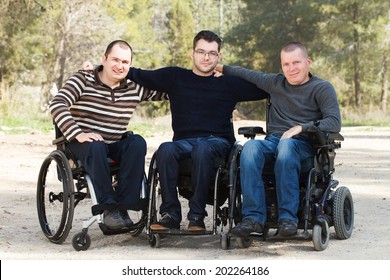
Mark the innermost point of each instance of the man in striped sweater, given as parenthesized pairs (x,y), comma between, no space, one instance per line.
(92,110)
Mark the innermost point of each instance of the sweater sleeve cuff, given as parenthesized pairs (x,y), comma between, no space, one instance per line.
(306,126)
(227,70)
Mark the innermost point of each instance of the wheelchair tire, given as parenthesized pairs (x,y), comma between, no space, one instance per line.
(321,236)
(81,241)
(55,197)
(153,192)
(154,240)
(225,241)
(343,215)
(244,242)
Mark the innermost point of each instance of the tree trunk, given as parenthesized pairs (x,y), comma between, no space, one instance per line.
(385,84)
(358,94)
(51,75)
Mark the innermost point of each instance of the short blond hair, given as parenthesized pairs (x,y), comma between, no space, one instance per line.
(292,46)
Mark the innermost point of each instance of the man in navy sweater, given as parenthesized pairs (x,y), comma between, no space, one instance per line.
(201,107)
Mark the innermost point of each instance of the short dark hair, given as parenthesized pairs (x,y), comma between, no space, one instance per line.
(208,36)
(292,46)
(121,43)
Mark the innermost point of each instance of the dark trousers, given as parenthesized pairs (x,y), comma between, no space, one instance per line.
(203,151)
(129,153)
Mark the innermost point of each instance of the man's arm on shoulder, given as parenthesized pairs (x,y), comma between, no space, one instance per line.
(260,79)
(245,90)
(159,79)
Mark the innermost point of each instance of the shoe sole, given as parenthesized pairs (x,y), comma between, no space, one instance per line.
(244,235)
(160,227)
(115,227)
(196,229)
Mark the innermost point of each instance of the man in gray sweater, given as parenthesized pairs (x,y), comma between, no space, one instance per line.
(299,100)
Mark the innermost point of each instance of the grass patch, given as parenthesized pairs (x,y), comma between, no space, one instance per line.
(368,118)
(149,129)
(17,125)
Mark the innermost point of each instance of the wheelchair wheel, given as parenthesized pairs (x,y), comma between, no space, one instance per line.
(140,217)
(225,241)
(55,197)
(244,242)
(154,240)
(81,241)
(343,216)
(321,236)
(155,200)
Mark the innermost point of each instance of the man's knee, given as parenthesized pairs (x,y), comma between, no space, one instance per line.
(252,149)
(135,143)
(139,142)
(165,150)
(96,147)
(287,148)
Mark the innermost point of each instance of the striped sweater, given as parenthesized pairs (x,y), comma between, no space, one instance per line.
(85,104)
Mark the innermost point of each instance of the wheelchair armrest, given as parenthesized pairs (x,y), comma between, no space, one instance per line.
(251,131)
(60,140)
(324,137)
(332,136)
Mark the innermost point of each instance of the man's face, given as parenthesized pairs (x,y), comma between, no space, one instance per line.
(117,63)
(205,57)
(295,66)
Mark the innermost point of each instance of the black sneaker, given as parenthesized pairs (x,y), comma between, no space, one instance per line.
(113,219)
(196,224)
(126,218)
(246,227)
(287,227)
(165,223)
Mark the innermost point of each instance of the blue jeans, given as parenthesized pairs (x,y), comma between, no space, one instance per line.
(202,150)
(287,156)
(130,154)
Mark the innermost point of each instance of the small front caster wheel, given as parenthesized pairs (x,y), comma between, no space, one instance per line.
(154,240)
(81,241)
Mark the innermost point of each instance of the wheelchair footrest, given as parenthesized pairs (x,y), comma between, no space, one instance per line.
(181,232)
(301,235)
(107,231)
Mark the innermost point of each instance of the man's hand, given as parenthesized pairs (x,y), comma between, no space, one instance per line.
(292,132)
(218,70)
(87,66)
(89,137)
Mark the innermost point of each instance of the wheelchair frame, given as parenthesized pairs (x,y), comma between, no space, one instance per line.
(224,177)
(323,203)
(62,184)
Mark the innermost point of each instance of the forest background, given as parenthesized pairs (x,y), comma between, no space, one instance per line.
(43,42)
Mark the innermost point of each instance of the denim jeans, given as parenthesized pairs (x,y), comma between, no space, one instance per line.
(202,150)
(286,155)
(130,154)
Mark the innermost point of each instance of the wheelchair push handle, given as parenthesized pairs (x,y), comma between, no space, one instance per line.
(251,131)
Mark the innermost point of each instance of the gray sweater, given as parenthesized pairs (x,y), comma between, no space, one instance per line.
(291,105)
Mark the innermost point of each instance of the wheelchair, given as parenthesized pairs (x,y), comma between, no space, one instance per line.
(62,185)
(323,203)
(218,196)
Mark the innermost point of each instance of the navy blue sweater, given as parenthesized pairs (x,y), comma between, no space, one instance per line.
(200,106)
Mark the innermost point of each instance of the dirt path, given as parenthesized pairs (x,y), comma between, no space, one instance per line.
(363,164)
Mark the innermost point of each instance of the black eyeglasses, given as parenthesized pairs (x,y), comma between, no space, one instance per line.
(203,53)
